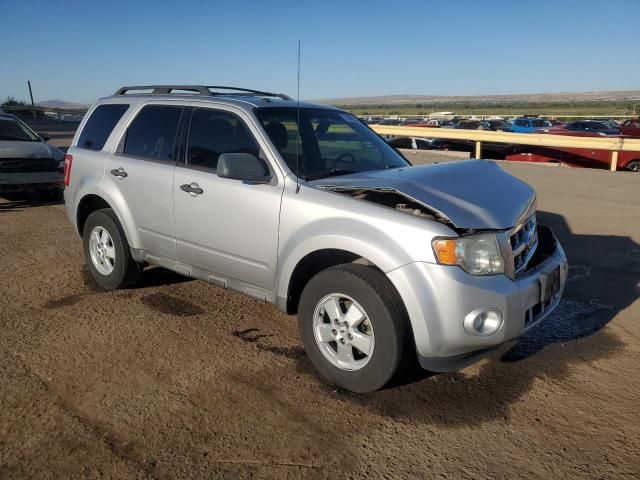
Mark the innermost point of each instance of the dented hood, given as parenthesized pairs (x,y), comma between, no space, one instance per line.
(473,194)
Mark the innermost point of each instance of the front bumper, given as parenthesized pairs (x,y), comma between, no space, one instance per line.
(438,298)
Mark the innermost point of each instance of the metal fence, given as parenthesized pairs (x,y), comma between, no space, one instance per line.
(612,144)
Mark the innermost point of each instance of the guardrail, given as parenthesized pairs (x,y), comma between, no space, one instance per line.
(612,144)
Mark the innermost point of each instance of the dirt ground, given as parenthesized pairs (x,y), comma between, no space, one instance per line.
(180,379)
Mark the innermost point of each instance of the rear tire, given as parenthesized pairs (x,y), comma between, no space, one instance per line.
(383,331)
(107,252)
(634,166)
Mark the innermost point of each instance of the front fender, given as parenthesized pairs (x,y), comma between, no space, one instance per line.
(379,249)
(315,219)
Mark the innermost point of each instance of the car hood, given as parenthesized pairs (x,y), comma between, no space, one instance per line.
(17,149)
(473,194)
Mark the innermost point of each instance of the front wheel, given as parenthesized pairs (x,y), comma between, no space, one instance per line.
(634,166)
(354,327)
(107,253)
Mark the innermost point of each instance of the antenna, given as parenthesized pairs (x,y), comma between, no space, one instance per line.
(299,130)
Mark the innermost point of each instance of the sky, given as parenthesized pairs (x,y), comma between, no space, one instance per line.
(78,51)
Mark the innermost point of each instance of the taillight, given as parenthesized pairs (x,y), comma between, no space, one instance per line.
(68,160)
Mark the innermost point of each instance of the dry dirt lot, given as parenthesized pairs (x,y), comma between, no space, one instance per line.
(180,379)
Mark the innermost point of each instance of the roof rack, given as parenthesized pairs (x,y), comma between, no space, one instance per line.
(200,90)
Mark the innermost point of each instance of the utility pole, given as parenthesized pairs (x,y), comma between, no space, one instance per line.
(33,105)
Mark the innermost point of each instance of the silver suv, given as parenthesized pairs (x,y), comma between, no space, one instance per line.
(305,207)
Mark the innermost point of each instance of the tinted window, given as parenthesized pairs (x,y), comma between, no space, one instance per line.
(539,123)
(213,133)
(12,129)
(99,126)
(153,133)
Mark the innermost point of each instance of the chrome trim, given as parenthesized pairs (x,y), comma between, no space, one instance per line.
(519,245)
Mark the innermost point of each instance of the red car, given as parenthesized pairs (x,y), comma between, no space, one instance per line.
(575,157)
(631,127)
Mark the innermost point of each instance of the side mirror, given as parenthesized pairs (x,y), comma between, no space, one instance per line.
(243,166)
(44,136)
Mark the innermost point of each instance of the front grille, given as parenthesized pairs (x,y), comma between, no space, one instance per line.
(523,241)
(28,165)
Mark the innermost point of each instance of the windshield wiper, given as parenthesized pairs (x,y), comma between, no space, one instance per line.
(334,172)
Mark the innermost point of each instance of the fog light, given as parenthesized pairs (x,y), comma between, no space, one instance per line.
(483,322)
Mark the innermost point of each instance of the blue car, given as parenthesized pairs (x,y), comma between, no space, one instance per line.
(529,125)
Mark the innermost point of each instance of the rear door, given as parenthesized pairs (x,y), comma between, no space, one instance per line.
(142,171)
(230,227)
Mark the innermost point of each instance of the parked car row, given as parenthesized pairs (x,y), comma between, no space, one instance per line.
(525,124)
(576,157)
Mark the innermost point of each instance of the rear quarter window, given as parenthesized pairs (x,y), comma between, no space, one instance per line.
(99,126)
(152,134)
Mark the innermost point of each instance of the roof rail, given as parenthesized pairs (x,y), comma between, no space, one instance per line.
(200,90)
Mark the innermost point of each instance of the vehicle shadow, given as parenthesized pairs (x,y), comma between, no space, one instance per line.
(158,276)
(17,201)
(604,279)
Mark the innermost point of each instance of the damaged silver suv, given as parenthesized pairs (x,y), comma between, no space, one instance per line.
(305,207)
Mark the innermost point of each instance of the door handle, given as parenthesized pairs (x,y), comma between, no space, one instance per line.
(191,188)
(119,172)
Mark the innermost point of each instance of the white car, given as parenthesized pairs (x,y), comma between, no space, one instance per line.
(27,162)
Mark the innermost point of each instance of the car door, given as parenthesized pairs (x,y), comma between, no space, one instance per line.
(225,226)
(141,171)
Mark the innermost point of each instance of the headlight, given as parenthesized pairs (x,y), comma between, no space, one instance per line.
(477,254)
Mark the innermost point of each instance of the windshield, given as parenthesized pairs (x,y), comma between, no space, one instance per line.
(13,129)
(540,123)
(333,142)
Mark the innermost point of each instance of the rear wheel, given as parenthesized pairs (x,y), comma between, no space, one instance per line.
(107,251)
(634,166)
(354,327)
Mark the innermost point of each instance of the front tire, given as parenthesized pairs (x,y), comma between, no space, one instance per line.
(107,252)
(354,327)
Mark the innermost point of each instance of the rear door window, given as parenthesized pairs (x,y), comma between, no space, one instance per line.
(214,132)
(99,126)
(152,134)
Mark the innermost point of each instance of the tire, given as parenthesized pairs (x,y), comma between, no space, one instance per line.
(386,326)
(634,166)
(121,271)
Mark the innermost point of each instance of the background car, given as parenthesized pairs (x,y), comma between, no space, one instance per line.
(497,125)
(631,127)
(490,150)
(410,143)
(471,125)
(575,157)
(389,121)
(27,162)
(529,124)
(411,122)
(592,126)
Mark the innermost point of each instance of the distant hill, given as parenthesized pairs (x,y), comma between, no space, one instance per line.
(562,97)
(62,105)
